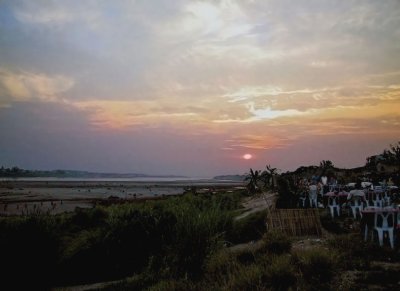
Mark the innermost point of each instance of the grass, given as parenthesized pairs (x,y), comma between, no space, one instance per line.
(316,268)
(249,228)
(281,273)
(175,244)
(277,243)
(173,237)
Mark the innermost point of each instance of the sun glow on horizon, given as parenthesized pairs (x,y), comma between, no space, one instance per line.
(197,87)
(247,156)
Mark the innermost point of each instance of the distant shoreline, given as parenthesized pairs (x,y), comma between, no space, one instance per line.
(103,179)
(19,196)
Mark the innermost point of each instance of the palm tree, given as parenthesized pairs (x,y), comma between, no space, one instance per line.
(253,178)
(268,176)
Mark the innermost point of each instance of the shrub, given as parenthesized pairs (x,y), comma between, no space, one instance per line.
(277,242)
(197,234)
(316,267)
(172,284)
(246,278)
(251,227)
(331,225)
(281,274)
(25,244)
(246,257)
(355,253)
(85,218)
(286,196)
(221,264)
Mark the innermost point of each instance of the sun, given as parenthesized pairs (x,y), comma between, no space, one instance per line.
(247,156)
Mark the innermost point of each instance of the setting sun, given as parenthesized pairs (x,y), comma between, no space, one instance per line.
(247,156)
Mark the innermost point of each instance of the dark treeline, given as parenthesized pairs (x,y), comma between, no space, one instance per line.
(18,172)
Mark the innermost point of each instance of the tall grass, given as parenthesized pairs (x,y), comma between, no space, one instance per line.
(249,228)
(25,244)
(277,243)
(172,238)
(316,268)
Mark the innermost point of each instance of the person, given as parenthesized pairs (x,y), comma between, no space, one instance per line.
(324,185)
(332,183)
(320,188)
(312,194)
(357,191)
(324,180)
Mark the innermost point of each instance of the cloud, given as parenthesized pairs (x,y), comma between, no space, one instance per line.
(26,86)
(251,74)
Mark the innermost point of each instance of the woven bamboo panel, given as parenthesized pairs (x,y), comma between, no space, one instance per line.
(295,222)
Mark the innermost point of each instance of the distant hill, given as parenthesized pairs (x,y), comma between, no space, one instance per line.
(16,172)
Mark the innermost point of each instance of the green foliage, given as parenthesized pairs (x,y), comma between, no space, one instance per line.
(286,194)
(87,218)
(220,265)
(276,242)
(250,277)
(317,268)
(331,225)
(172,244)
(197,233)
(173,237)
(354,252)
(249,228)
(173,284)
(249,271)
(268,177)
(254,178)
(26,243)
(280,273)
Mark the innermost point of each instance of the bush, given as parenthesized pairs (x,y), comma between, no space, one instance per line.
(277,242)
(172,238)
(281,274)
(331,225)
(85,218)
(28,251)
(197,234)
(251,227)
(355,253)
(286,196)
(221,265)
(172,284)
(316,267)
(246,278)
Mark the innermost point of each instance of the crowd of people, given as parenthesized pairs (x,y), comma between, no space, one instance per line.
(311,191)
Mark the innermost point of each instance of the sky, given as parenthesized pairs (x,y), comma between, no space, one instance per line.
(191,87)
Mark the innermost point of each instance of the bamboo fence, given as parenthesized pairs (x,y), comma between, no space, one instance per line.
(295,222)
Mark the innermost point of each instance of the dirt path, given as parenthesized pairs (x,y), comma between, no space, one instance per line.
(258,203)
(88,287)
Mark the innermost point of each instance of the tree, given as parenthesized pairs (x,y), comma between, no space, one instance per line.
(286,195)
(393,155)
(324,165)
(268,176)
(371,163)
(253,177)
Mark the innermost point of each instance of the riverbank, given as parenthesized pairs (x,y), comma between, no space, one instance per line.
(23,196)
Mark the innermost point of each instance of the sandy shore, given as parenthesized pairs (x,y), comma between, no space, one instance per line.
(18,197)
